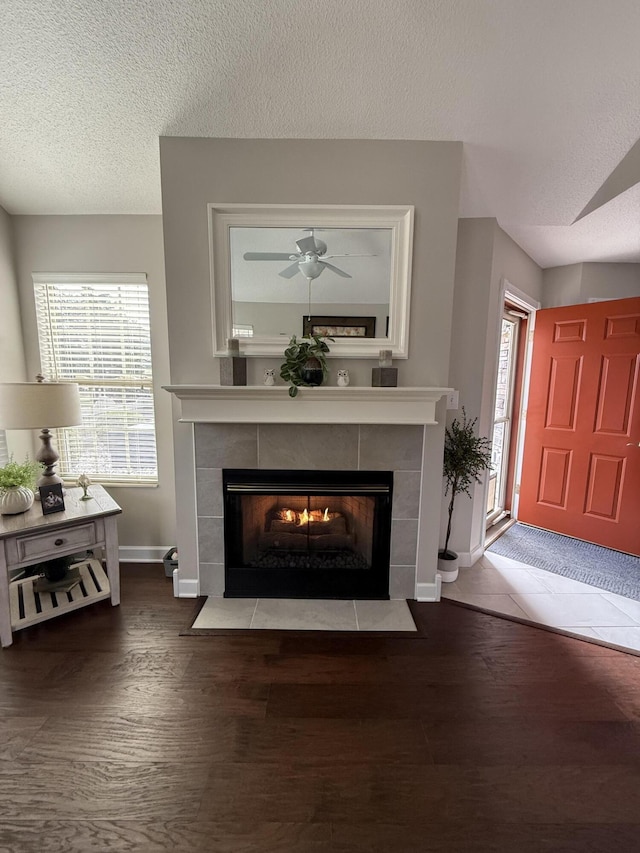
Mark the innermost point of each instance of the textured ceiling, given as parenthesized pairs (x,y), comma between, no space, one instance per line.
(544,95)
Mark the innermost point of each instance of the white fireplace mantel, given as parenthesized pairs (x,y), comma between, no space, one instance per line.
(321,405)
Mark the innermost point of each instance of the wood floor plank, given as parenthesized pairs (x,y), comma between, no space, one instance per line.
(442,702)
(542,741)
(100,790)
(121,836)
(484,836)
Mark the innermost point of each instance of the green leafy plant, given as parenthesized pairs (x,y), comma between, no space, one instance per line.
(299,355)
(466,456)
(19,474)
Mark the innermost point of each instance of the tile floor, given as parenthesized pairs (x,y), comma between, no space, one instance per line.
(506,586)
(305,614)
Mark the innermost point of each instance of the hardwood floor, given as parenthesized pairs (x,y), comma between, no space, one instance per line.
(117,734)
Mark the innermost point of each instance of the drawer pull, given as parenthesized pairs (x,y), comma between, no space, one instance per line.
(59,542)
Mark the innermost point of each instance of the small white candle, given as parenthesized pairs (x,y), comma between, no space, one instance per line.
(233,346)
(384,358)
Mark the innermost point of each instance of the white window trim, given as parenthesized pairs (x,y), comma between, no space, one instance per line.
(103,278)
(89,278)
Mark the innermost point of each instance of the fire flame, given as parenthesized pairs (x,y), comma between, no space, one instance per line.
(304,517)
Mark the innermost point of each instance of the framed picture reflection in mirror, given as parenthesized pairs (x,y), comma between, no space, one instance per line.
(339,327)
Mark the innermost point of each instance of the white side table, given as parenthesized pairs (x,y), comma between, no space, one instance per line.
(32,537)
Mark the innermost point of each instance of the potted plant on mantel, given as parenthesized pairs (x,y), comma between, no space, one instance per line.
(466,456)
(17,484)
(305,362)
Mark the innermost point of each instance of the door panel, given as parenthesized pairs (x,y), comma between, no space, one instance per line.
(554,476)
(615,394)
(604,486)
(581,467)
(562,393)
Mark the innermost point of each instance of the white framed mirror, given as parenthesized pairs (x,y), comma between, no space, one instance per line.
(280,270)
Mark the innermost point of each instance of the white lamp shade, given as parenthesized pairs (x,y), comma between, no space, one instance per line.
(35,405)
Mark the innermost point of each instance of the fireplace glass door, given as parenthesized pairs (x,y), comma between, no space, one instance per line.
(309,534)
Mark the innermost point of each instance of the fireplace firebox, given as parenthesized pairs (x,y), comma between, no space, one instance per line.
(307,534)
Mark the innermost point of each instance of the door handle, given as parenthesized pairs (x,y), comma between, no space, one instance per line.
(633,444)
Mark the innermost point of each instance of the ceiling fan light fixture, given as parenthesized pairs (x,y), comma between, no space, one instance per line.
(311,259)
(311,268)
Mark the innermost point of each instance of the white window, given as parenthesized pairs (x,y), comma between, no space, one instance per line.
(94,330)
(242,330)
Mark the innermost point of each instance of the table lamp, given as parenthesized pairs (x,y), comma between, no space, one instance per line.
(29,405)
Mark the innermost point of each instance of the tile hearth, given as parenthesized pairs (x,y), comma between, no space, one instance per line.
(305,614)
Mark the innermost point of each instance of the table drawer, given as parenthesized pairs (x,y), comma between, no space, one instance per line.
(45,546)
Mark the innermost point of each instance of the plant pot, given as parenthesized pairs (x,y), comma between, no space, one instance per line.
(448,566)
(16,499)
(311,372)
(56,569)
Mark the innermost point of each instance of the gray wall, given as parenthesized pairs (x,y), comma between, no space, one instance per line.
(195,172)
(273,171)
(610,281)
(110,244)
(487,259)
(12,362)
(578,283)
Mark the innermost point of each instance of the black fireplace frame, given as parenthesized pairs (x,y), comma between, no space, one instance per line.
(243,582)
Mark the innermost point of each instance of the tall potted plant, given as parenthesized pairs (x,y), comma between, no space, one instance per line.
(466,456)
(305,362)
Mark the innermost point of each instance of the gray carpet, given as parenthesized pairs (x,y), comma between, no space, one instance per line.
(571,558)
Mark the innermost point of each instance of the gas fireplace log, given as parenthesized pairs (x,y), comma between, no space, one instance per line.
(317,528)
(300,541)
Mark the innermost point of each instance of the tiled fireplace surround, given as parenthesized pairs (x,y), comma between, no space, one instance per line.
(355,447)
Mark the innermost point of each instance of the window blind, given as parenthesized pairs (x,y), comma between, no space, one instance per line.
(95,330)
(4,453)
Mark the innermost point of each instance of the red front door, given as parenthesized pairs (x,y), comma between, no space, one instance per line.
(581,467)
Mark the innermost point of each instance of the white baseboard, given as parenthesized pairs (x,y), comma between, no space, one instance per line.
(188,588)
(429,591)
(141,554)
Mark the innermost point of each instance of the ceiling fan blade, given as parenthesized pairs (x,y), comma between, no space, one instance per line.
(335,269)
(324,257)
(289,272)
(307,244)
(267,256)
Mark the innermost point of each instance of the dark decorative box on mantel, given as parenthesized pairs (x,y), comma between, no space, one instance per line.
(233,371)
(233,368)
(384,377)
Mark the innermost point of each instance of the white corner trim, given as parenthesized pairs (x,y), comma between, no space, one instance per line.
(429,591)
(519,297)
(188,588)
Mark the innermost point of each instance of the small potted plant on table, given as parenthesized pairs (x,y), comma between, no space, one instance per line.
(466,456)
(17,484)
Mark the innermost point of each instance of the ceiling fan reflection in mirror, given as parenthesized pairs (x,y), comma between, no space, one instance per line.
(310,260)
